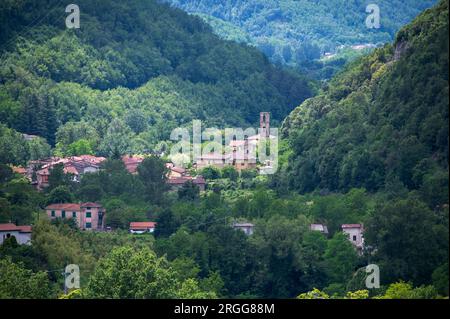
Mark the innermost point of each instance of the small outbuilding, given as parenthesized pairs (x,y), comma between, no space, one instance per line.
(247,228)
(21,233)
(142,227)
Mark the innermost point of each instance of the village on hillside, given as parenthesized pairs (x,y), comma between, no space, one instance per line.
(90,216)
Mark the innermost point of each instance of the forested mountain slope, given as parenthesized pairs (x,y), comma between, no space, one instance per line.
(381,123)
(370,149)
(295,31)
(131,73)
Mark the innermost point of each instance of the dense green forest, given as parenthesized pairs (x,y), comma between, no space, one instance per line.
(194,252)
(382,122)
(135,69)
(370,148)
(299,31)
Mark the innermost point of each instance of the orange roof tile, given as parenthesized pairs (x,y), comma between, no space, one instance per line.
(70,170)
(142,225)
(351,226)
(181,180)
(25,229)
(65,206)
(19,170)
(13,227)
(8,226)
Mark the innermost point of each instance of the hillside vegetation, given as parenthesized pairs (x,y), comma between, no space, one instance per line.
(298,31)
(381,123)
(370,149)
(136,69)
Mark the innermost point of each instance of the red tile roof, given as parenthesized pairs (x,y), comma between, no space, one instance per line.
(70,170)
(71,206)
(351,226)
(65,206)
(132,159)
(178,169)
(181,180)
(72,165)
(45,161)
(178,180)
(13,227)
(6,227)
(199,180)
(142,225)
(25,229)
(19,169)
(89,158)
(132,162)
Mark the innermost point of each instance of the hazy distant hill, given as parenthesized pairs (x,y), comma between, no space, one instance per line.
(296,31)
(383,122)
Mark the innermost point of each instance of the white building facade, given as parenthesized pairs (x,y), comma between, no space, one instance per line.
(355,234)
(21,233)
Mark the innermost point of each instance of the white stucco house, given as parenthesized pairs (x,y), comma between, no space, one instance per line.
(247,228)
(355,234)
(319,227)
(21,233)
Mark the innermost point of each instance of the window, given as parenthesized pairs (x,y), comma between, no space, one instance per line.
(88,225)
(88,214)
(354,237)
(53,213)
(74,214)
(63,214)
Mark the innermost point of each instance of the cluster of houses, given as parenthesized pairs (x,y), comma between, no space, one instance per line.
(178,176)
(91,216)
(38,171)
(242,154)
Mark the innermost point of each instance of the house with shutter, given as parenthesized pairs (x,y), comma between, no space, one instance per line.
(88,216)
(75,166)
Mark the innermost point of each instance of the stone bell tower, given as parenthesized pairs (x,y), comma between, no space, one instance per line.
(264,124)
